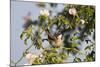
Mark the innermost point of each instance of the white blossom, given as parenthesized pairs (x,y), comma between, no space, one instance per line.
(82,21)
(31,61)
(34,56)
(28,56)
(31,57)
(44,12)
(72,11)
(40,55)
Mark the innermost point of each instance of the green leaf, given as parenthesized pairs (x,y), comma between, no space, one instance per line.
(26,34)
(38,43)
(77,59)
(65,21)
(63,56)
(77,20)
(28,31)
(59,60)
(73,38)
(25,41)
(22,35)
(42,18)
(74,44)
(89,47)
(37,61)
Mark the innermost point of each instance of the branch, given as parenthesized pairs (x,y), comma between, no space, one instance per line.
(26,50)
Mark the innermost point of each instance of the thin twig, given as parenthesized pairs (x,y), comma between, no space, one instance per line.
(19,60)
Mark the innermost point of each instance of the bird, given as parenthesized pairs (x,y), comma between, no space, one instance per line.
(55,40)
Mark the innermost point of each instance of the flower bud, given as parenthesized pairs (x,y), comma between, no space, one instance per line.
(40,55)
(72,11)
(82,21)
(28,56)
(31,57)
(44,12)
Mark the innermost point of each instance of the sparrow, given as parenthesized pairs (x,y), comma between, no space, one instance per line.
(55,40)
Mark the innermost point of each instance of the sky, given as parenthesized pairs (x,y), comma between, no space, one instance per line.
(18,10)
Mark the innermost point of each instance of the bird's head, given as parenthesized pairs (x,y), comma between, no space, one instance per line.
(58,35)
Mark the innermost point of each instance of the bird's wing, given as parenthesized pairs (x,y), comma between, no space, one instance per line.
(51,37)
